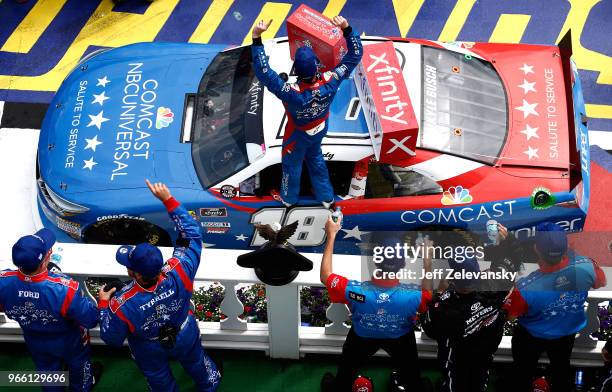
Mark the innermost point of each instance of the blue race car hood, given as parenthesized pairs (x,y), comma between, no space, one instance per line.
(117,119)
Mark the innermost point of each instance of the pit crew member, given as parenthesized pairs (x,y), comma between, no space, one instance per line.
(52,312)
(549,305)
(152,311)
(467,320)
(383,312)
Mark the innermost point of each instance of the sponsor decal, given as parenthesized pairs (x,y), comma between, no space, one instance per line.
(356,297)
(216,224)
(213,212)
(137,119)
(335,282)
(456,195)
(228,191)
(216,227)
(542,199)
(216,230)
(386,103)
(164,117)
(254,92)
(459,215)
(72,228)
(383,298)
(328,155)
(119,216)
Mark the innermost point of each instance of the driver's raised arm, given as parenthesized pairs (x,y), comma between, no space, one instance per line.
(266,75)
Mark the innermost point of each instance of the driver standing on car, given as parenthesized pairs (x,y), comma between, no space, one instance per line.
(153,311)
(307,104)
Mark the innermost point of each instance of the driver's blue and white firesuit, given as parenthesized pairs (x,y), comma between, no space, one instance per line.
(307,107)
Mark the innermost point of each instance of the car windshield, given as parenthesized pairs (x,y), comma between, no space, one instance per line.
(227,117)
(464,106)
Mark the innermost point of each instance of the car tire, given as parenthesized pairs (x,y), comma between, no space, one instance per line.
(126,232)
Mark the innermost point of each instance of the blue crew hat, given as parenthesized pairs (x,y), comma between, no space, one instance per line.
(468,265)
(29,251)
(306,62)
(144,258)
(550,240)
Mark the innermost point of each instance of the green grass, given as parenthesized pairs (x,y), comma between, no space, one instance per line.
(249,371)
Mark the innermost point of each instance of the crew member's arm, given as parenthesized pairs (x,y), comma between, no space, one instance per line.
(331,229)
(79,308)
(600,276)
(427,282)
(336,284)
(114,325)
(189,243)
(266,75)
(430,322)
(515,305)
(350,59)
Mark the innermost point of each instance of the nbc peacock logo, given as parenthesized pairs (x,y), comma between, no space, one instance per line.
(456,195)
(164,117)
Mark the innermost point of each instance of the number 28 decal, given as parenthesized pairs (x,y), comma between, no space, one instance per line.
(311,224)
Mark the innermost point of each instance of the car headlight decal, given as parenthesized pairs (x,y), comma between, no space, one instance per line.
(59,204)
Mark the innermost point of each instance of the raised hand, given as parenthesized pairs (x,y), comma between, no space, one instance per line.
(159,190)
(340,21)
(260,27)
(331,227)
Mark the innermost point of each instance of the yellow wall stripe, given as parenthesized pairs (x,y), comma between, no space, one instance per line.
(510,28)
(211,21)
(275,11)
(599,111)
(333,8)
(32,26)
(405,13)
(456,20)
(104,28)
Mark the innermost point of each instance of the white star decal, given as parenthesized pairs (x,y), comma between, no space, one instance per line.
(100,98)
(354,232)
(527,109)
(527,86)
(92,143)
(22,318)
(103,82)
(241,237)
(531,153)
(97,120)
(527,69)
(530,132)
(166,317)
(89,164)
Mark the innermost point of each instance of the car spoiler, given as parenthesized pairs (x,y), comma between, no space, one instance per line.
(580,159)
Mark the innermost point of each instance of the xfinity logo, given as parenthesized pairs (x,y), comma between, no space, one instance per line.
(254,91)
(388,87)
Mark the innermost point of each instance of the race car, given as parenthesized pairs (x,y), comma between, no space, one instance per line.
(502,135)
